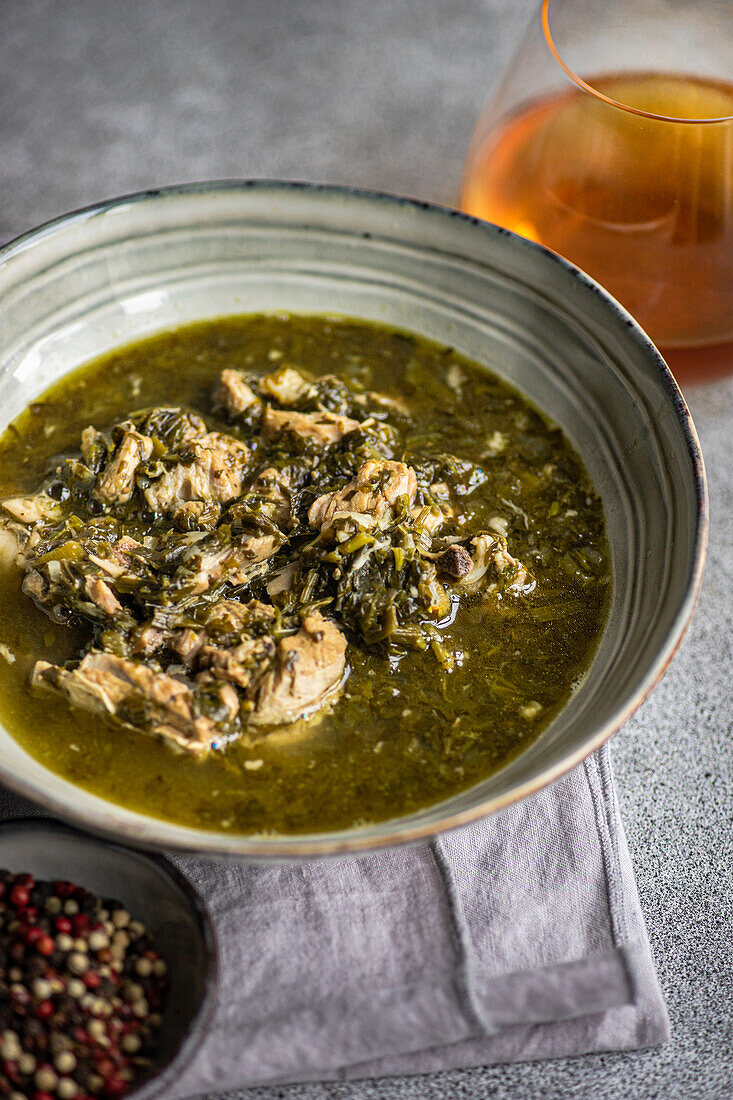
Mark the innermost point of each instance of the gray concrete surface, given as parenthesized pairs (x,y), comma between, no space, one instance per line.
(99,98)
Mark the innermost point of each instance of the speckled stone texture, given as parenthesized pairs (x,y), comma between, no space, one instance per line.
(99,98)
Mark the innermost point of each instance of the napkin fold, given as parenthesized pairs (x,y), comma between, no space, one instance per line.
(519,937)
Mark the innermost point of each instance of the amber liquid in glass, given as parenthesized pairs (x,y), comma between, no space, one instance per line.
(644,206)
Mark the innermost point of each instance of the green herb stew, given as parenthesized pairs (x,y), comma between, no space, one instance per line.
(288,574)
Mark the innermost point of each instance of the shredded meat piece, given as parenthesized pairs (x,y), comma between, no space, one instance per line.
(34,586)
(224,624)
(233,394)
(287,386)
(308,670)
(229,616)
(90,438)
(440,490)
(243,664)
(100,593)
(117,483)
(282,580)
(9,547)
(196,514)
(271,488)
(216,473)
(187,644)
(397,403)
(33,509)
(118,563)
(147,639)
(319,427)
(282,681)
(114,686)
(209,563)
(376,489)
(491,550)
(114,568)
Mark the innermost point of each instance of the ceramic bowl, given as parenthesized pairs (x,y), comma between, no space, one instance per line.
(122,270)
(153,891)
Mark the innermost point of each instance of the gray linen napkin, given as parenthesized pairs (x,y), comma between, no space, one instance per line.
(520,937)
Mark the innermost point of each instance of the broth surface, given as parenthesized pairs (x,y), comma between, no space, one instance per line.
(406,732)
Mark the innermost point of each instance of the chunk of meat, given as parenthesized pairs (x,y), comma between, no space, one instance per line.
(234,394)
(209,562)
(9,546)
(118,688)
(307,672)
(100,593)
(397,404)
(117,482)
(187,644)
(491,550)
(440,490)
(282,681)
(147,639)
(34,586)
(378,486)
(282,580)
(228,617)
(118,562)
(318,427)
(287,386)
(242,665)
(271,489)
(216,472)
(196,515)
(90,440)
(223,628)
(34,509)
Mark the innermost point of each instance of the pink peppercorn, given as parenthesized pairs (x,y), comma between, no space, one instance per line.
(19,897)
(45,946)
(10,1070)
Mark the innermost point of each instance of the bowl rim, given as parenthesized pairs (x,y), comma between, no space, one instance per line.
(289,846)
(159,1081)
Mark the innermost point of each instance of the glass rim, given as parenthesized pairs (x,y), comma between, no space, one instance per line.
(586,87)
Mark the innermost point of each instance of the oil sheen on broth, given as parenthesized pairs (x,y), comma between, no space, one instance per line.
(408,729)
